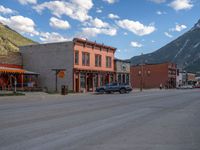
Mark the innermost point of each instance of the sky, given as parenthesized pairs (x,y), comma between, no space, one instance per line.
(132,26)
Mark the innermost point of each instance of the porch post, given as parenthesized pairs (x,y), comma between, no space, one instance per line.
(22,81)
(86,81)
(99,79)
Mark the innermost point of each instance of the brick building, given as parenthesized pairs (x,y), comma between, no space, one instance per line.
(154,75)
(87,64)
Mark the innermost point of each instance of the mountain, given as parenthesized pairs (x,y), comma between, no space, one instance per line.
(10,40)
(184,51)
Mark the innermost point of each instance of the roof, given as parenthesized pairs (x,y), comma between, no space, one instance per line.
(16,70)
(11,70)
(94,43)
(135,65)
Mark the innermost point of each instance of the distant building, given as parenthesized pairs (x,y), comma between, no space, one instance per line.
(122,70)
(186,78)
(181,78)
(154,75)
(87,64)
(191,78)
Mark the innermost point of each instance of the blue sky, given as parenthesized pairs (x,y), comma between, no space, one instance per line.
(132,26)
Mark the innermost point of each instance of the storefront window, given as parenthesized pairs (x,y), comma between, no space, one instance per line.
(101,80)
(96,80)
(127,78)
(82,79)
(119,78)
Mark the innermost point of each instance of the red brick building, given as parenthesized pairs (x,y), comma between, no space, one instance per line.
(154,75)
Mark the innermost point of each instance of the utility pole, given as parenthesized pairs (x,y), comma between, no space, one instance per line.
(141,78)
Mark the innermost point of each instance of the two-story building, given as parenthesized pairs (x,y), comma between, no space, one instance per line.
(86,64)
(122,70)
(154,75)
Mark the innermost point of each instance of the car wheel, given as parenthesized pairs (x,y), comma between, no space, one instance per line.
(122,91)
(102,91)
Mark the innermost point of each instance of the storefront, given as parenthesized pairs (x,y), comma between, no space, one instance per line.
(15,76)
(88,81)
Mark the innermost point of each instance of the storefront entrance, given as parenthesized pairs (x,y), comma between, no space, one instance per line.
(88,81)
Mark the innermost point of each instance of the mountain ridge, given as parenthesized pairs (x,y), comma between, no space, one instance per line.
(184,51)
(10,40)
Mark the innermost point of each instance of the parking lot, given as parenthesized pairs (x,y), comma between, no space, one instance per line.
(151,120)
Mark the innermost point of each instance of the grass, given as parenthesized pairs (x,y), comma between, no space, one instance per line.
(10,40)
(12,94)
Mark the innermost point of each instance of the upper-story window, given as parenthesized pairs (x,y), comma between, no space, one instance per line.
(76,57)
(98,60)
(85,59)
(108,62)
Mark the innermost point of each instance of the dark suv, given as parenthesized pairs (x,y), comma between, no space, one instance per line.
(114,87)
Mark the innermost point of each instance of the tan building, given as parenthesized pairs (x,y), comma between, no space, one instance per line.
(122,71)
(86,64)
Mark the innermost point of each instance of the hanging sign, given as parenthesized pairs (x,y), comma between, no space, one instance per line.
(61,74)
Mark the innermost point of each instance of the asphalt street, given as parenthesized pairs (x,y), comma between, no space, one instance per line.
(151,120)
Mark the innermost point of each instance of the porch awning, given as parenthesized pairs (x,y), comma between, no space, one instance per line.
(11,70)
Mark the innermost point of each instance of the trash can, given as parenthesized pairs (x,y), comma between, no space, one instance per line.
(64,90)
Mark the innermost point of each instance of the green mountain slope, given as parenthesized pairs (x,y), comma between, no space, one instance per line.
(184,51)
(10,40)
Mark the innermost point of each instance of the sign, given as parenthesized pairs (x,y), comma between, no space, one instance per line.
(61,74)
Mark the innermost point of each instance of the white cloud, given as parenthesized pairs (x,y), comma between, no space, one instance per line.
(181,4)
(92,32)
(113,16)
(75,9)
(110,1)
(125,33)
(58,23)
(20,24)
(161,12)
(158,1)
(178,28)
(4,10)
(98,23)
(136,44)
(136,27)
(98,10)
(25,2)
(168,35)
(47,37)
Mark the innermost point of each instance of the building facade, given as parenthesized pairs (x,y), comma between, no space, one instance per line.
(87,64)
(12,73)
(122,71)
(154,75)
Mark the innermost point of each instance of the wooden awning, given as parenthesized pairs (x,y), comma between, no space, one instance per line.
(11,70)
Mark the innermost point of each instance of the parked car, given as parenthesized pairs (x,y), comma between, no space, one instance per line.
(186,87)
(114,87)
(197,86)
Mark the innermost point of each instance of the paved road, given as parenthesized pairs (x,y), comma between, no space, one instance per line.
(152,120)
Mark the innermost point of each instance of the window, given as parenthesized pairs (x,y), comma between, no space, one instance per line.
(76,57)
(108,62)
(98,60)
(85,59)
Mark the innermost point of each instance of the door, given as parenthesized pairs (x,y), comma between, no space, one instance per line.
(77,85)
